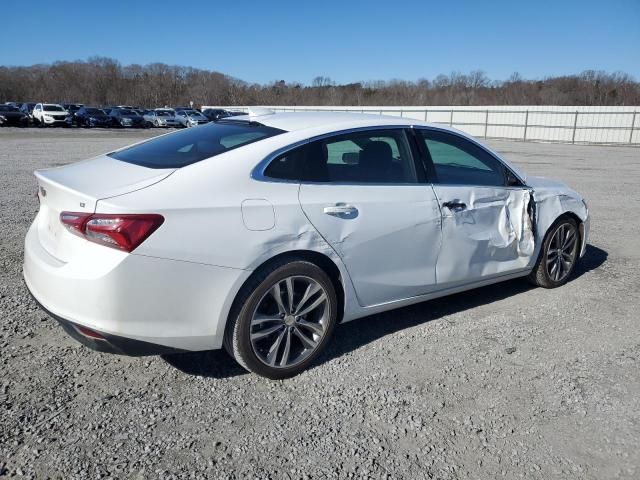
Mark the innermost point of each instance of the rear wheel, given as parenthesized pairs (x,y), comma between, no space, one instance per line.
(558,256)
(283,319)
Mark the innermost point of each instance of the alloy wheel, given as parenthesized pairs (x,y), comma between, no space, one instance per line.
(561,253)
(290,321)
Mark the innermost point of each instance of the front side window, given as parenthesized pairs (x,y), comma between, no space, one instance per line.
(375,156)
(194,144)
(457,161)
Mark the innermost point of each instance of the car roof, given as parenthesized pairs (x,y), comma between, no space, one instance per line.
(292,121)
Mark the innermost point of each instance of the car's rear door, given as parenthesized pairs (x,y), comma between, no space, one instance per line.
(486,227)
(364,195)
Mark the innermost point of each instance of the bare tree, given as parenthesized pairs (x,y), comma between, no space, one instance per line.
(104,81)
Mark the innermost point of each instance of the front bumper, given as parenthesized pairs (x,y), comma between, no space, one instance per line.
(100,123)
(585,226)
(14,121)
(56,121)
(132,300)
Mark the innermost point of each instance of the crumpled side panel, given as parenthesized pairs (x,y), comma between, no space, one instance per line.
(492,235)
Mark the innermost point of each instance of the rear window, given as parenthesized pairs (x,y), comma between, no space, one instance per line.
(194,144)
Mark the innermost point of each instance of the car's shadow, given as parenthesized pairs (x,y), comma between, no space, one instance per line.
(353,335)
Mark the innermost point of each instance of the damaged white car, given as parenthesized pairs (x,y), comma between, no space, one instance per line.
(260,233)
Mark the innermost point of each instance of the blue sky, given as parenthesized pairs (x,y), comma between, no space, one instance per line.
(262,41)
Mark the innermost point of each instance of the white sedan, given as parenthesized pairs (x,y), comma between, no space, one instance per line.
(260,233)
(190,118)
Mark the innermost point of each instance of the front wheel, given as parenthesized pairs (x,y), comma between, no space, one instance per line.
(558,256)
(283,319)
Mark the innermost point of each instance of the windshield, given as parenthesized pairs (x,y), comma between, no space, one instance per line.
(128,113)
(52,108)
(94,111)
(163,114)
(194,144)
(8,108)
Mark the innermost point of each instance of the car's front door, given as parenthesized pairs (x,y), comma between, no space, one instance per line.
(364,195)
(486,227)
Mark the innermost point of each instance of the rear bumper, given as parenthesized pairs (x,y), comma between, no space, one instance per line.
(133,301)
(107,343)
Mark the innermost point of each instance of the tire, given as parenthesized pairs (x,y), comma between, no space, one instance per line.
(265,336)
(553,267)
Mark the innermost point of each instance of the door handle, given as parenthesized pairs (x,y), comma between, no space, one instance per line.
(341,210)
(455,206)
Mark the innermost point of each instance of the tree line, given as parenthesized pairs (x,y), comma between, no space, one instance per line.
(104,81)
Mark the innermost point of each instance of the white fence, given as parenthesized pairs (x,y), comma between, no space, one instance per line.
(600,125)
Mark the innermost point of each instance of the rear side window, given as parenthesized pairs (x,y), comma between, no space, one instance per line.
(377,156)
(194,144)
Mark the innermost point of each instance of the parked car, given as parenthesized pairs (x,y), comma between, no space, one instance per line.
(12,116)
(92,117)
(72,108)
(214,114)
(123,117)
(51,114)
(161,118)
(190,118)
(27,108)
(254,234)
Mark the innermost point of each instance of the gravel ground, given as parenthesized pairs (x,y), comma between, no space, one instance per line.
(505,381)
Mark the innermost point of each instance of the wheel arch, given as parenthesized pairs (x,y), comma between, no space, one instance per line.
(576,218)
(320,259)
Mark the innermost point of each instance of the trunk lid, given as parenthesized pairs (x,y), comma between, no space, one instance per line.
(77,188)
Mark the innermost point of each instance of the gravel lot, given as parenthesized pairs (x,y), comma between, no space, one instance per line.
(505,381)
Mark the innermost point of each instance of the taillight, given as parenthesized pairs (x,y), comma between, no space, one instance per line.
(124,232)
